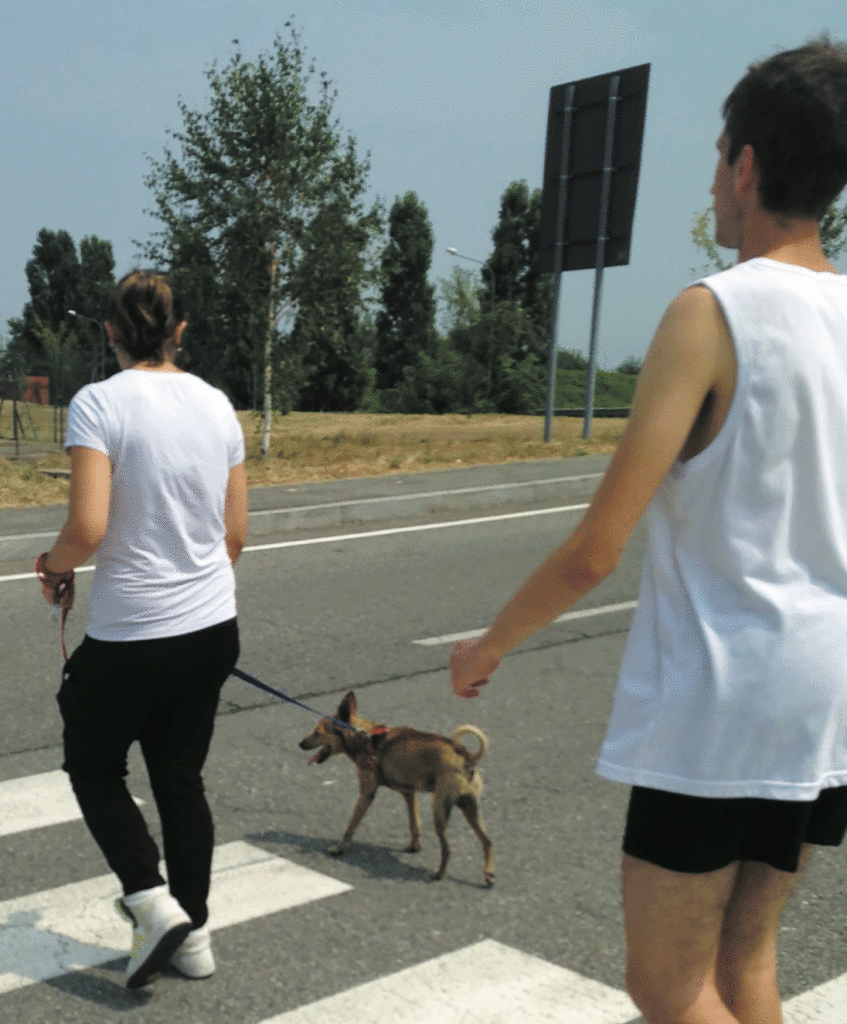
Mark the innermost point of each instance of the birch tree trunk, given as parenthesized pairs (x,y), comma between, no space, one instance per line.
(267,376)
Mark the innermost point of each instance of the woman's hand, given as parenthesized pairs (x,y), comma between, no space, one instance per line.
(470,666)
(57,588)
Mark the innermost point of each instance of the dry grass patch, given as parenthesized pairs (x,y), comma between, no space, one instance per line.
(22,484)
(327,446)
(333,446)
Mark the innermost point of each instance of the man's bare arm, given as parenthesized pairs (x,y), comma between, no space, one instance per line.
(691,356)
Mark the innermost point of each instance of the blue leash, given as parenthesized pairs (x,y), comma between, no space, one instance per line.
(253,681)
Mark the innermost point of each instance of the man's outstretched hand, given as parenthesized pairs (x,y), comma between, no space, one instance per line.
(470,667)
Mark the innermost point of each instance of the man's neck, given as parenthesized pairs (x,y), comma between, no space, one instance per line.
(794,240)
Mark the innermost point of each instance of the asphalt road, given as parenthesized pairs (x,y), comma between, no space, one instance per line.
(324,609)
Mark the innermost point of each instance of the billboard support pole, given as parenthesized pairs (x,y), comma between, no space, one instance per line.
(552,361)
(602,238)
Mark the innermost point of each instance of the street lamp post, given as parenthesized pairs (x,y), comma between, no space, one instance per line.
(98,370)
(483,263)
(485,266)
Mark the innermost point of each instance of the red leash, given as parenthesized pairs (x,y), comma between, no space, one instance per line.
(62,585)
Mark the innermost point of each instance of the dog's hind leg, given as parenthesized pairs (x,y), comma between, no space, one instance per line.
(414,822)
(442,804)
(469,806)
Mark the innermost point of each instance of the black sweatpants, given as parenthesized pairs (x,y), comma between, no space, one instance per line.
(163,693)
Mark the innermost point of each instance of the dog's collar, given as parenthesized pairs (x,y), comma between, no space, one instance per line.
(378,730)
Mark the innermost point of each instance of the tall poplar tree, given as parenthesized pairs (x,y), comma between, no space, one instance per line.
(405,326)
(254,170)
(513,274)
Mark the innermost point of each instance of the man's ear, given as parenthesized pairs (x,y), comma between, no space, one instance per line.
(746,170)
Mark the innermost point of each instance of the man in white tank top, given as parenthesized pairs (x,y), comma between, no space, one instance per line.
(730,718)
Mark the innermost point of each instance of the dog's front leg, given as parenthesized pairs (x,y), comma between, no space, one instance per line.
(367,792)
(414,822)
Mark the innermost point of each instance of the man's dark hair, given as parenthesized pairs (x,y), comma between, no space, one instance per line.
(792,109)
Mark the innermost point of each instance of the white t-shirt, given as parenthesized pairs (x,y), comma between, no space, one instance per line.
(734,678)
(162,569)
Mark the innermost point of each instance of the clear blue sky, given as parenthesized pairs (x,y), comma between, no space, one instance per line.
(449,96)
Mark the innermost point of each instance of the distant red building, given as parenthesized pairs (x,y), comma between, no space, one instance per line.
(37,390)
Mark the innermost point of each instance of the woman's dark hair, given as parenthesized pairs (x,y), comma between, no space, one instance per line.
(792,109)
(146,310)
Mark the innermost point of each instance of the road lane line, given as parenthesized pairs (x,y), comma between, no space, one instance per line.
(486,983)
(32,575)
(36,801)
(368,534)
(420,527)
(50,933)
(582,613)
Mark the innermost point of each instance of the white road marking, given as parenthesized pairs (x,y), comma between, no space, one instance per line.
(367,534)
(32,575)
(420,527)
(36,801)
(583,613)
(822,1005)
(46,934)
(487,983)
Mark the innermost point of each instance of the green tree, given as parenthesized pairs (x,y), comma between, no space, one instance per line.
(61,278)
(460,300)
(703,236)
(332,336)
(255,168)
(833,229)
(631,366)
(570,359)
(514,275)
(405,325)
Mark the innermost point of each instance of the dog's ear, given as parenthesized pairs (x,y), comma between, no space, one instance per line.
(347,707)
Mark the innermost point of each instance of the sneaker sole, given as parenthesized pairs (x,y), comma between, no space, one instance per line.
(192,977)
(159,956)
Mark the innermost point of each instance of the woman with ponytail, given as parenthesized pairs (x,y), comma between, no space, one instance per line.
(158,491)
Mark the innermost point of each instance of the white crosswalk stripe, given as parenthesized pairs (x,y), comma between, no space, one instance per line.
(49,933)
(36,801)
(487,983)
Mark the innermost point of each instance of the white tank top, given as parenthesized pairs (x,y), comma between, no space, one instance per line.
(734,677)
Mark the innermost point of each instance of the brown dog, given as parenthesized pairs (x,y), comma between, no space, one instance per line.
(409,762)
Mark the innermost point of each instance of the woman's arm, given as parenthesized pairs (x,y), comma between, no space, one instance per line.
(88,514)
(88,510)
(235,512)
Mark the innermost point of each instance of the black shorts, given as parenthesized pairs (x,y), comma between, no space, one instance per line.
(696,834)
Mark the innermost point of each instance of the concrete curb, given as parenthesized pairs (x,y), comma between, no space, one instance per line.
(417,504)
(25,533)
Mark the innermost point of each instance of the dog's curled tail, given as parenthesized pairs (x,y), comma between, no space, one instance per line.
(481,739)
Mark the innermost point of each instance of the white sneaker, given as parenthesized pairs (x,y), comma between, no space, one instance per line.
(162,924)
(194,957)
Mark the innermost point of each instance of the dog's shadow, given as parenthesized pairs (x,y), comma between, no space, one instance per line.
(374,861)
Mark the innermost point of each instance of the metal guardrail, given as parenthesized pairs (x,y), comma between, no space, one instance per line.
(621,412)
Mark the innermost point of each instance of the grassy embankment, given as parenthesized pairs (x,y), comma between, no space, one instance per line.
(327,446)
